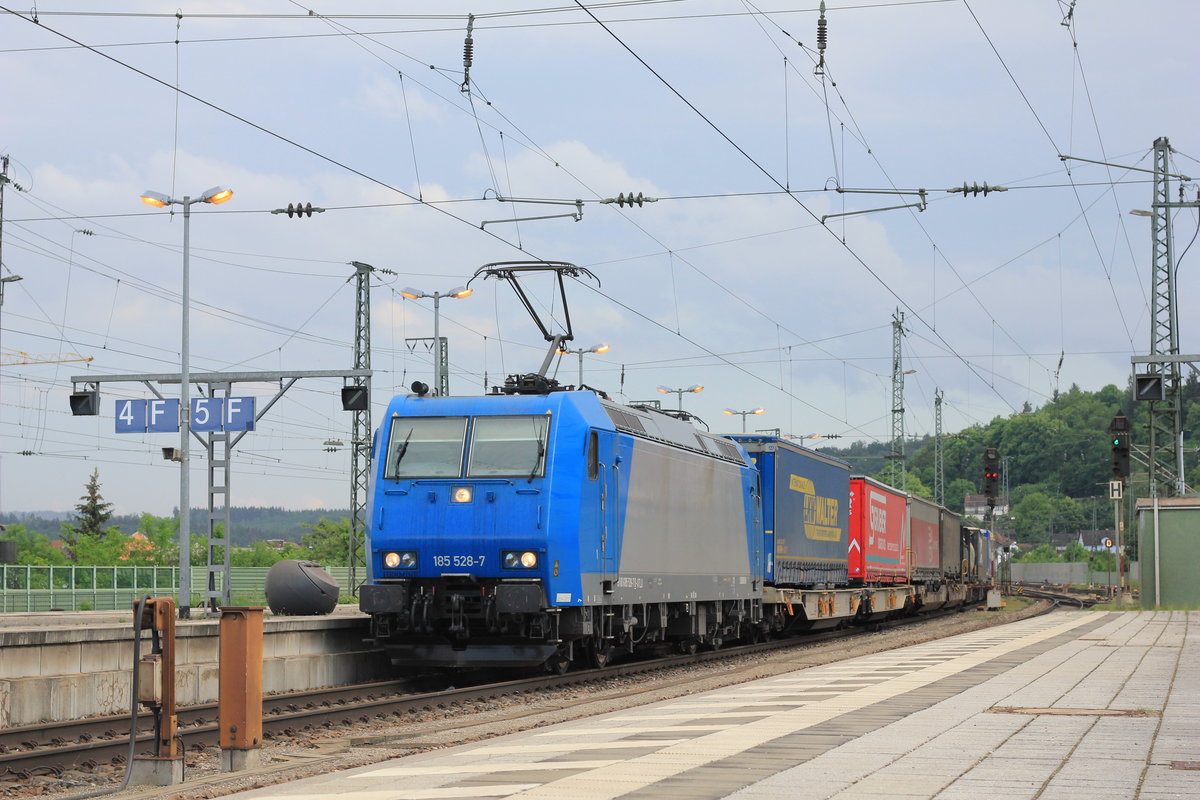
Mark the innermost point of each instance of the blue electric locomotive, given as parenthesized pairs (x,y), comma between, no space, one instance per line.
(525,529)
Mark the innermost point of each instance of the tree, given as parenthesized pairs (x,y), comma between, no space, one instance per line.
(328,542)
(956,493)
(34,548)
(93,513)
(162,533)
(1042,554)
(1074,551)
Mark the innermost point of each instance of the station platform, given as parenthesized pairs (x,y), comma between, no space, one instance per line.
(1067,705)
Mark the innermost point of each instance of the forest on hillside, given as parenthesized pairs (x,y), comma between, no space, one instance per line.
(1058,457)
(250,523)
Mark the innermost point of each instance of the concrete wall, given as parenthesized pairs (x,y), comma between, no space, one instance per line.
(51,672)
(1172,567)
(1074,572)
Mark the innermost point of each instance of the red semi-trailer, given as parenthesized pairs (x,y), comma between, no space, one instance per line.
(878,550)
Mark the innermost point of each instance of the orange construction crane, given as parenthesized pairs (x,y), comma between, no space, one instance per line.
(12,358)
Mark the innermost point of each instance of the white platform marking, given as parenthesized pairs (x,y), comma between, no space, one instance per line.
(626,731)
(508,766)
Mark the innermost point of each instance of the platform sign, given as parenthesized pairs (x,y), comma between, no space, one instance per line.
(238,414)
(209,414)
(140,416)
(206,414)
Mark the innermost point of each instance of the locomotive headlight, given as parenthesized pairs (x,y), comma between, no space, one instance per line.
(518,559)
(404,559)
(461,494)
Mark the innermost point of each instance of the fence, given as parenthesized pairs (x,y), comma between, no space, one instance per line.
(1075,572)
(45,588)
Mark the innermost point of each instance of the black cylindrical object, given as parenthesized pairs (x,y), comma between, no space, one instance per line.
(8,552)
(300,588)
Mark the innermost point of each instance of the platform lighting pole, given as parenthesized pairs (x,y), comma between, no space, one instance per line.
(596,348)
(441,380)
(695,387)
(744,414)
(215,195)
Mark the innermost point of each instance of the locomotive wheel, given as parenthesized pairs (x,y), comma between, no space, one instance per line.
(558,664)
(599,653)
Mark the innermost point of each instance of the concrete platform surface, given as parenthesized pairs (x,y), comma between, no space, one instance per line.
(1064,706)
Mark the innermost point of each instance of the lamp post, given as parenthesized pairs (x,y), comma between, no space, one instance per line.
(744,414)
(416,294)
(695,387)
(215,195)
(596,348)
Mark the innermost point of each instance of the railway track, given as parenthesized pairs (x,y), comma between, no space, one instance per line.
(98,743)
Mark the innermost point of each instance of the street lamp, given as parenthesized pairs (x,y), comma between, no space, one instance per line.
(596,348)
(695,387)
(215,195)
(416,294)
(744,414)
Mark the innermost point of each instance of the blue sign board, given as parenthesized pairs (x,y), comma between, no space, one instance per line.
(208,414)
(239,414)
(140,416)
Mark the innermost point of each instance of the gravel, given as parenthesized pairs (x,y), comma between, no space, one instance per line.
(362,744)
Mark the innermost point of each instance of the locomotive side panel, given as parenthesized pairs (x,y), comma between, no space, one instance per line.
(684,532)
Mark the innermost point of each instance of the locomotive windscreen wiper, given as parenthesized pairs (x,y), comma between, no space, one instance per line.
(401,450)
(537,461)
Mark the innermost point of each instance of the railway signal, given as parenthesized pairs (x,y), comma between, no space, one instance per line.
(1119,438)
(991,475)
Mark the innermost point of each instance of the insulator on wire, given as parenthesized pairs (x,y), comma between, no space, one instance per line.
(974,189)
(822,41)
(299,210)
(468,55)
(631,199)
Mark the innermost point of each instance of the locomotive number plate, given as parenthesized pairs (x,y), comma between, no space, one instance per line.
(458,561)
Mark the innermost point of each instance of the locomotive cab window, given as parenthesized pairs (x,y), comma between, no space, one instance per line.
(425,447)
(508,447)
(593,456)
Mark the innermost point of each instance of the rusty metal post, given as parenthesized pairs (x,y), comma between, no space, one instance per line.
(156,690)
(240,700)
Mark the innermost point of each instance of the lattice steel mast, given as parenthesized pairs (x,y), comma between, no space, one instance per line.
(1164,454)
(360,434)
(939,470)
(896,457)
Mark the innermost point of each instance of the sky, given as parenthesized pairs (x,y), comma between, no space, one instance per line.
(770,269)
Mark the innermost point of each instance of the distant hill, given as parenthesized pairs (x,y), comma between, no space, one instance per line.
(250,524)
